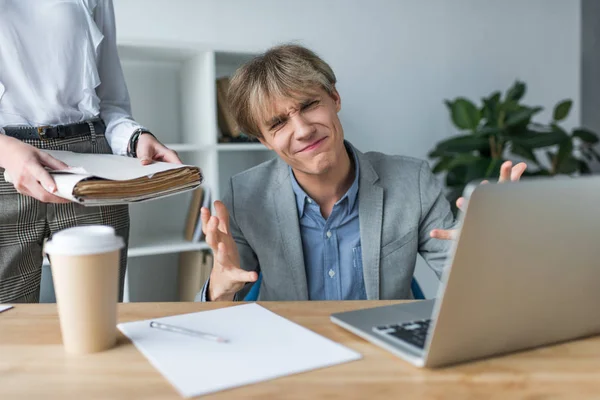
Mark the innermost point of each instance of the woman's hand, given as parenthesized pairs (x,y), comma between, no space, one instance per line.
(25,166)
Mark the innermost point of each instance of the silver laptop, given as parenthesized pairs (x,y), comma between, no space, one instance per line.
(524,272)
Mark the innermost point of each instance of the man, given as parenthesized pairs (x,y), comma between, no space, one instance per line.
(61,88)
(323,221)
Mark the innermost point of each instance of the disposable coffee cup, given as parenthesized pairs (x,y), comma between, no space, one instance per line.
(85,270)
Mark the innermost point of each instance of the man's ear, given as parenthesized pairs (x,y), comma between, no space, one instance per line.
(264,143)
(337,99)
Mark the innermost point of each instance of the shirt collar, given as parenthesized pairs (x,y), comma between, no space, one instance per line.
(352,194)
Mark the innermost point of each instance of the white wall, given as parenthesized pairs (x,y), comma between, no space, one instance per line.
(396,60)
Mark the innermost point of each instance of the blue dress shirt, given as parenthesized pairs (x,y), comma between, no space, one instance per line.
(332,251)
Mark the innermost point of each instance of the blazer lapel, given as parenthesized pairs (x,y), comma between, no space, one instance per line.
(370,214)
(284,204)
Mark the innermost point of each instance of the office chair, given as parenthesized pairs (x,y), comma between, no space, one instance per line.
(416,290)
(255,289)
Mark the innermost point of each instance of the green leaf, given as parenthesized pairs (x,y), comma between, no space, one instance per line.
(515,131)
(586,135)
(565,153)
(584,168)
(464,113)
(524,152)
(441,165)
(555,127)
(535,140)
(460,144)
(489,111)
(517,91)
(456,176)
(522,116)
(481,169)
(495,98)
(477,170)
(488,130)
(510,106)
(569,166)
(493,169)
(463,159)
(561,111)
(450,162)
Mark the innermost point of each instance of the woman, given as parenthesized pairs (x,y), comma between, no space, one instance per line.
(61,88)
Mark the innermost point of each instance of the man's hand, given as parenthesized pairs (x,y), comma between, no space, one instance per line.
(507,172)
(149,149)
(25,166)
(227,277)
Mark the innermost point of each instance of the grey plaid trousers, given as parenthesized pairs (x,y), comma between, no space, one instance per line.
(25,223)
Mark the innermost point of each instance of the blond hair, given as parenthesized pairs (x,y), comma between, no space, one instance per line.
(285,71)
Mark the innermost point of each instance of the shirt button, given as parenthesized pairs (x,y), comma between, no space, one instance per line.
(309,201)
(328,234)
(331,273)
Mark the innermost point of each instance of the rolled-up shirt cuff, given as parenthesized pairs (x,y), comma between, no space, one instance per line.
(203,295)
(118,137)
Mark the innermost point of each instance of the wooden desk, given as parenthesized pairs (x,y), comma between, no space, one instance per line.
(34,365)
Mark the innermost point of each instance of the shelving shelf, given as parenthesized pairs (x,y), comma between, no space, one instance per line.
(166,244)
(241,147)
(172,87)
(184,147)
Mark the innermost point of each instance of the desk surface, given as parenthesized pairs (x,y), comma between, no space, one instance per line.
(34,365)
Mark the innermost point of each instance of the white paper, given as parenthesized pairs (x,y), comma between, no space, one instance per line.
(4,308)
(65,184)
(109,166)
(262,346)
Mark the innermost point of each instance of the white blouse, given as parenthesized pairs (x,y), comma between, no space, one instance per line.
(59,65)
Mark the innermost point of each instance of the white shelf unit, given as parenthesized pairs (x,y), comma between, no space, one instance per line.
(149,246)
(240,147)
(172,87)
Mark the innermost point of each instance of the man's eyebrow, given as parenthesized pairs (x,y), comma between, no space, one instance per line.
(276,119)
(309,100)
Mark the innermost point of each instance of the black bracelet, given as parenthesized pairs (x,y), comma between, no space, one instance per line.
(133,141)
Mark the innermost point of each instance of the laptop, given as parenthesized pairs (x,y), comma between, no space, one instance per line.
(524,272)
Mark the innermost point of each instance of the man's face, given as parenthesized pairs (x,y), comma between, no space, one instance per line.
(306,133)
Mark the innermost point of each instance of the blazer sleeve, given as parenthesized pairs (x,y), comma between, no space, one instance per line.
(248,258)
(435,214)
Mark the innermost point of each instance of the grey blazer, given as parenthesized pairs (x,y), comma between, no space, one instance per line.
(400,202)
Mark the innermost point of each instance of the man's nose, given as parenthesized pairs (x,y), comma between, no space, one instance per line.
(302,127)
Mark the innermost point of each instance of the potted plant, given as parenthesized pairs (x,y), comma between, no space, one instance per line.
(501,129)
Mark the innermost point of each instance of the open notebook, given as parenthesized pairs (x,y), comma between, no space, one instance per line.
(262,345)
(106,179)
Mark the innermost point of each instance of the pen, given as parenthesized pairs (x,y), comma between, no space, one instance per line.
(177,329)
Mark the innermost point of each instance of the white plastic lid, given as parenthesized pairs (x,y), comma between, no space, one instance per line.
(83,240)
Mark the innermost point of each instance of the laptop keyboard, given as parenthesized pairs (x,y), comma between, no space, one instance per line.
(414,332)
